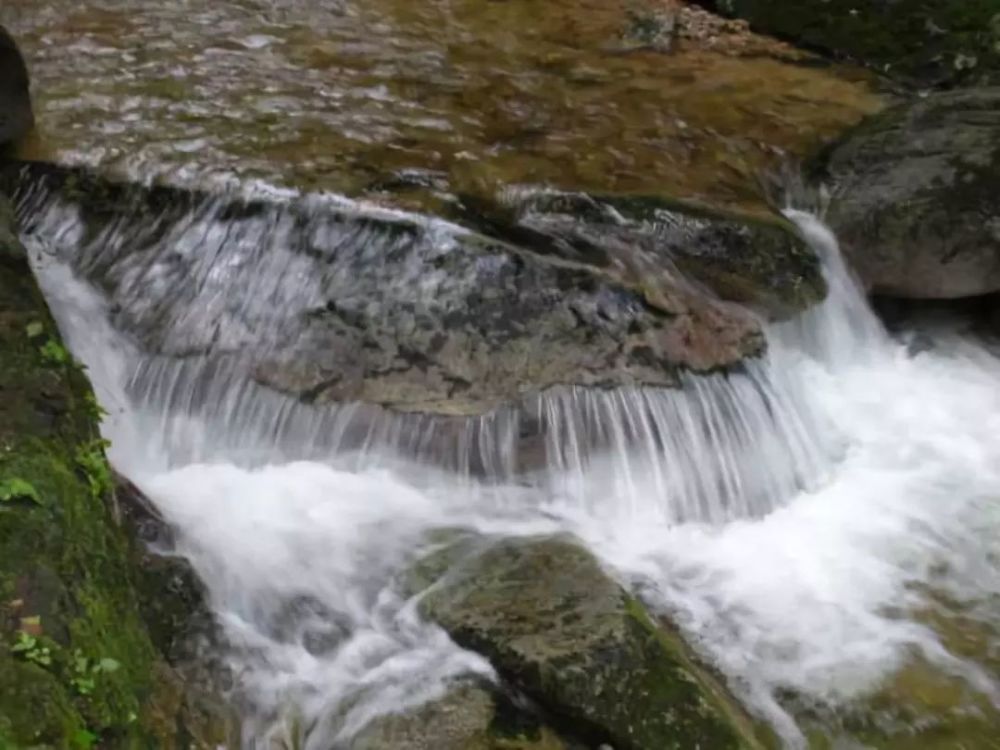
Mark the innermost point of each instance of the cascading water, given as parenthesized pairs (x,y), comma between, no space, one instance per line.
(794,519)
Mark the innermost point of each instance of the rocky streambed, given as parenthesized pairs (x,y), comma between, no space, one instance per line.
(568,223)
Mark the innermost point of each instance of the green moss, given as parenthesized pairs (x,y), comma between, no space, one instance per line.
(35,710)
(555,626)
(65,563)
(709,687)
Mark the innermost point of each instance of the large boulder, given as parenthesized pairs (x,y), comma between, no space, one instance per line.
(341,302)
(924,42)
(558,628)
(916,189)
(16,117)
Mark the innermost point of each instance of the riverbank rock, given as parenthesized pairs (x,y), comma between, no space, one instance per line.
(916,204)
(78,667)
(915,41)
(471,716)
(558,628)
(335,301)
(16,117)
(654,243)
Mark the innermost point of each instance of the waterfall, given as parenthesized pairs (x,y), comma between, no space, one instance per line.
(787,516)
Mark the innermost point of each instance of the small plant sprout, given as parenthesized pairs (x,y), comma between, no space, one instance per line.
(31,649)
(55,354)
(86,672)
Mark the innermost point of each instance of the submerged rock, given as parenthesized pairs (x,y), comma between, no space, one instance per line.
(926,43)
(78,664)
(916,202)
(338,301)
(16,117)
(558,628)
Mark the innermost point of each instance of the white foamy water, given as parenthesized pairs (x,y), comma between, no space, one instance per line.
(790,520)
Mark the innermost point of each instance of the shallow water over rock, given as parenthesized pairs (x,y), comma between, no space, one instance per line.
(428,98)
(821,527)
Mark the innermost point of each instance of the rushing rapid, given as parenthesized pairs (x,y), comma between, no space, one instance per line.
(803,521)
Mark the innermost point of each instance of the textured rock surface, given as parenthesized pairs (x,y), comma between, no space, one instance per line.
(556,626)
(543,93)
(917,203)
(70,597)
(919,41)
(656,244)
(471,716)
(16,118)
(334,302)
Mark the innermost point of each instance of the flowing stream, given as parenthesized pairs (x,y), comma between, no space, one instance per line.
(824,527)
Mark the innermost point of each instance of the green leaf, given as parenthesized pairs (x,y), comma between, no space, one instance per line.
(24,643)
(55,353)
(18,489)
(34,329)
(108,665)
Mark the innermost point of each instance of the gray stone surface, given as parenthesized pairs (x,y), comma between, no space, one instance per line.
(917,202)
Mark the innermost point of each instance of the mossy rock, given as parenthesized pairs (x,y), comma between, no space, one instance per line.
(922,42)
(559,629)
(759,261)
(916,189)
(77,665)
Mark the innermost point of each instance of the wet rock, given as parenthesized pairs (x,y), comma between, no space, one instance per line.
(553,105)
(919,42)
(173,600)
(656,244)
(473,715)
(916,203)
(973,317)
(66,557)
(342,302)
(649,29)
(16,117)
(558,628)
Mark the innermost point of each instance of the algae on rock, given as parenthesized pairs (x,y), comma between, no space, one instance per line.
(86,671)
(555,626)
